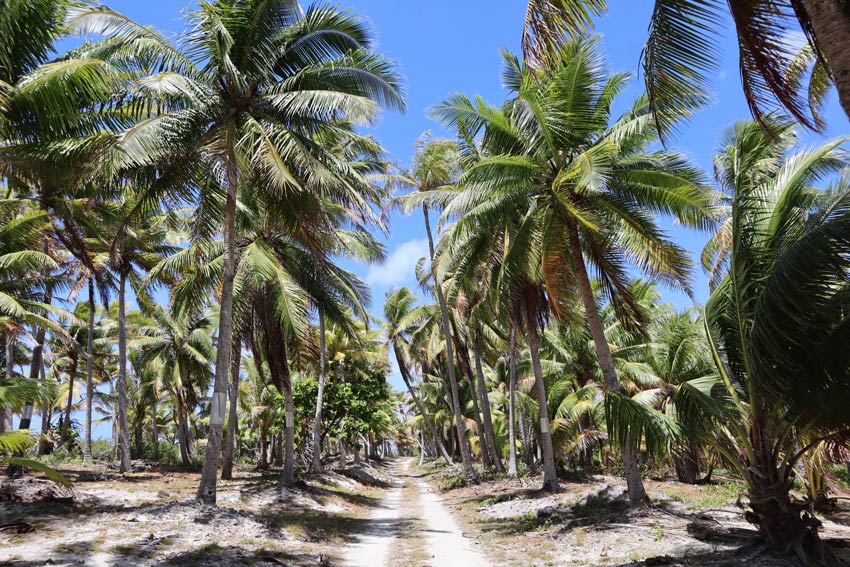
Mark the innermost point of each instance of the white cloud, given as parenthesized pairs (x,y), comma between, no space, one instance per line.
(400,266)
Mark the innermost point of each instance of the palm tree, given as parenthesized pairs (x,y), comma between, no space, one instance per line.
(777,321)
(256,80)
(135,249)
(681,53)
(399,316)
(435,165)
(178,346)
(25,276)
(572,191)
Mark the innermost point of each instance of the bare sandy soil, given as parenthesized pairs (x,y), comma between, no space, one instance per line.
(367,516)
(589,524)
(151,519)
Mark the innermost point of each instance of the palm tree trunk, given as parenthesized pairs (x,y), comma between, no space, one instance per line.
(6,412)
(485,407)
(637,492)
(525,434)
(405,375)
(44,445)
(232,417)
(781,521)
(316,465)
(460,425)
(66,422)
(287,478)
(262,457)
(87,457)
(278,450)
(182,433)
(550,475)
(154,427)
(831,27)
(466,371)
(512,465)
(207,486)
(123,427)
(35,368)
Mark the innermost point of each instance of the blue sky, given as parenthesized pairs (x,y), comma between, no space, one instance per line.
(446,46)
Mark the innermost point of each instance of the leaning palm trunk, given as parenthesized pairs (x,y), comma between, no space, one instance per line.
(512,466)
(230,442)
(431,428)
(550,475)
(87,456)
(485,408)
(460,425)
(466,371)
(316,465)
(123,428)
(637,493)
(207,488)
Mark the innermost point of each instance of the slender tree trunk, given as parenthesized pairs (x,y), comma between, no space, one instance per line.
(87,456)
(232,417)
(476,411)
(316,465)
(66,422)
(182,433)
(512,465)
(525,434)
(154,413)
(637,492)
(6,412)
(485,406)
(25,422)
(207,486)
(831,27)
(279,449)
(405,375)
(550,475)
(35,368)
(460,425)
(465,366)
(343,457)
(123,427)
(262,458)
(287,478)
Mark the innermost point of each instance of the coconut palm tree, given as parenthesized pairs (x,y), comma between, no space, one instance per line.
(776,322)
(399,316)
(436,164)
(134,250)
(573,191)
(178,346)
(255,81)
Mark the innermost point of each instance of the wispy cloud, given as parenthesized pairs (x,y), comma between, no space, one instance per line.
(400,266)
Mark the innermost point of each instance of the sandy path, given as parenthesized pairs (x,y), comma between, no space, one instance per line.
(372,548)
(446,544)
